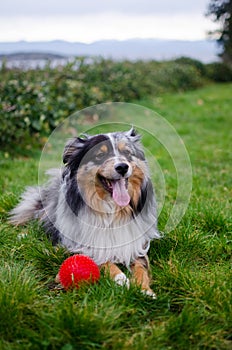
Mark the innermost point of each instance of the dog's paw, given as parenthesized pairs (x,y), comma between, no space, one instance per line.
(149,293)
(122,280)
(57,279)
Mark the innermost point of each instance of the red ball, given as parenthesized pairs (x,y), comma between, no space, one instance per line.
(77,269)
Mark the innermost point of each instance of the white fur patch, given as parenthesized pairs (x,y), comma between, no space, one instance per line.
(149,293)
(26,209)
(122,280)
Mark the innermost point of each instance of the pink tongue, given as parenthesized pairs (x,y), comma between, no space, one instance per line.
(120,194)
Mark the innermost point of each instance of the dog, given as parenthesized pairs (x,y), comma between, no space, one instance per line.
(101,204)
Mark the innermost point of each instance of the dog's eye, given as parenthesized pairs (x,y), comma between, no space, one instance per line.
(126,152)
(100,155)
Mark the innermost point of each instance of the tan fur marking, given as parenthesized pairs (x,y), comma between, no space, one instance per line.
(121,146)
(91,189)
(104,148)
(134,184)
(101,191)
(140,274)
(111,269)
(57,279)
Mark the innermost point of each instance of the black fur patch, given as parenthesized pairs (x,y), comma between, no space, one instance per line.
(146,195)
(83,154)
(52,232)
(73,196)
(139,154)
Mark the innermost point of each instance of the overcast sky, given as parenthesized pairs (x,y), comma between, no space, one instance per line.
(91,20)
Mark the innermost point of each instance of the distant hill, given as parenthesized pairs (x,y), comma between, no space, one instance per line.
(133,49)
(30,56)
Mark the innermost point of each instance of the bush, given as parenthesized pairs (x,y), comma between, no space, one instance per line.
(177,77)
(192,62)
(219,72)
(36,101)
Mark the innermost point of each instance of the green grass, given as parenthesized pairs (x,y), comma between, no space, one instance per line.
(190,265)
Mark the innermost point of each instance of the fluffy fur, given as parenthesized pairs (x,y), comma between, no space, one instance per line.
(101,203)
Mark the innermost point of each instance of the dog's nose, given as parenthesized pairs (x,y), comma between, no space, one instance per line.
(121,168)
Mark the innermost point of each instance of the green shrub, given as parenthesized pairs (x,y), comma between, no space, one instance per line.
(219,72)
(36,101)
(177,77)
(192,62)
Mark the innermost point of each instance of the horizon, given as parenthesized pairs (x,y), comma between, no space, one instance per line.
(105,40)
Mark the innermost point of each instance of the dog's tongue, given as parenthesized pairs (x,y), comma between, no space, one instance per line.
(120,194)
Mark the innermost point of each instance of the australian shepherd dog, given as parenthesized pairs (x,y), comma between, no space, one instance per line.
(101,204)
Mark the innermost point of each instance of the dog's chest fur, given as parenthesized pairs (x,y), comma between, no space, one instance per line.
(108,236)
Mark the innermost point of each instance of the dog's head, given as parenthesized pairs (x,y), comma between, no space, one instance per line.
(108,166)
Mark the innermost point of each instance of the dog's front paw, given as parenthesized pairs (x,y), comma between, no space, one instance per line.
(57,279)
(122,280)
(149,293)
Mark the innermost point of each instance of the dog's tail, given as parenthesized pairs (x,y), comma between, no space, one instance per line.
(30,207)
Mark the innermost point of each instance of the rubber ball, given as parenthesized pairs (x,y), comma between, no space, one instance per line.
(78,269)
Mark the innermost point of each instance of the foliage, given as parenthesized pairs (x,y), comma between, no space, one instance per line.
(201,67)
(221,11)
(36,101)
(219,72)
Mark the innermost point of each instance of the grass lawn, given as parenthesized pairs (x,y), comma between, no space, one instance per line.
(190,265)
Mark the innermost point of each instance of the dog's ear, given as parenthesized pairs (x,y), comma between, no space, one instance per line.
(73,145)
(133,135)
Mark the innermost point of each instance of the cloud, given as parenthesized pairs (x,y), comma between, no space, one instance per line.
(79,7)
(89,28)
(91,20)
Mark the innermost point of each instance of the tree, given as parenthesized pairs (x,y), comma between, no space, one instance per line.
(221,11)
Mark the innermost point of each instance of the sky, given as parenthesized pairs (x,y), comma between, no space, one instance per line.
(92,20)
